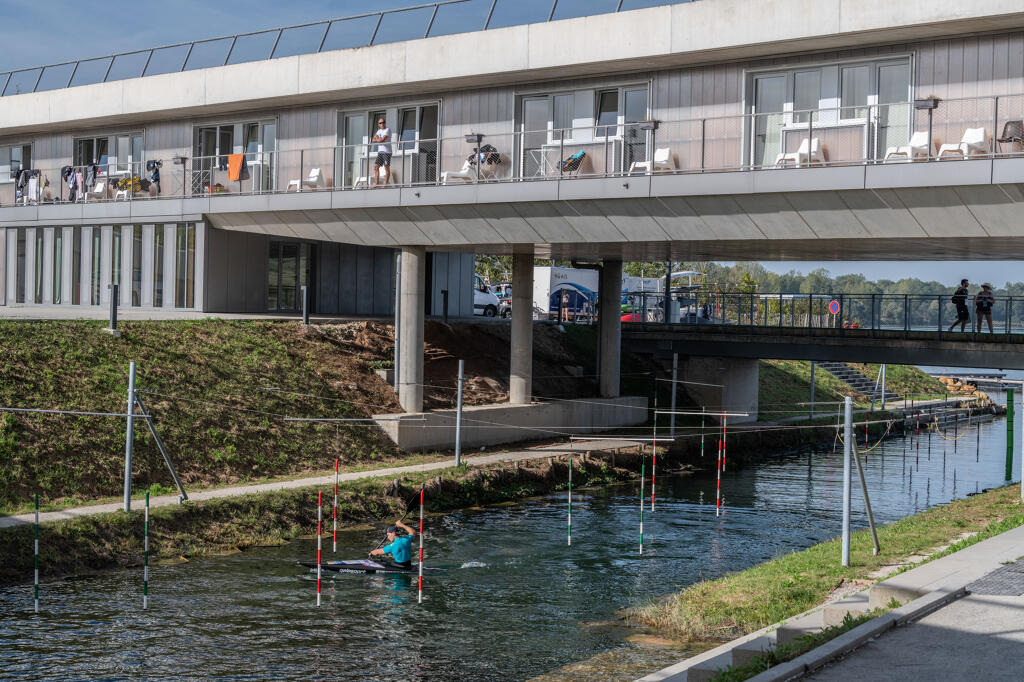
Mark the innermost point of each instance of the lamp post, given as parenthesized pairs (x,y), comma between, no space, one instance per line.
(928,104)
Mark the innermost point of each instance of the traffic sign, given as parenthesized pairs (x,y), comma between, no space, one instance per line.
(833,307)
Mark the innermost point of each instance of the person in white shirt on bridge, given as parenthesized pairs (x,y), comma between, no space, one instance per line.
(983,304)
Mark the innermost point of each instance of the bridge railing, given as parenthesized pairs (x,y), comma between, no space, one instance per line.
(848,313)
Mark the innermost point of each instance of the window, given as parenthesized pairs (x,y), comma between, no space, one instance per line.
(115,257)
(806,94)
(76,266)
(39,256)
(20,267)
(96,266)
(58,264)
(855,87)
(136,265)
(158,266)
(13,159)
(211,145)
(119,153)
(562,107)
(607,113)
(185,266)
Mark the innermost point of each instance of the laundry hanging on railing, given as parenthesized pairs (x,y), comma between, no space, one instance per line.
(238,169)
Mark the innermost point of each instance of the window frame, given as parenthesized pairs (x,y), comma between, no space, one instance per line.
(9,177)
(113,163)
(392,113)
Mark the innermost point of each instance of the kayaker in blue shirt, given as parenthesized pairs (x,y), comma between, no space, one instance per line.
(400,548)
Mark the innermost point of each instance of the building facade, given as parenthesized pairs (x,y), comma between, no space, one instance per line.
(266,168)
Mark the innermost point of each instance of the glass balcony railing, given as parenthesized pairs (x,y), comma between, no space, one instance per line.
(899,133)
(387,26)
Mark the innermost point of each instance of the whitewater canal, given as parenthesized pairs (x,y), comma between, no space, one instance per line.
(514,602)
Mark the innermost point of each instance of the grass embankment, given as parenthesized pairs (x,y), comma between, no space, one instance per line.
(904,380)
(204,383)
(784,384)
(743,602)
(237,523)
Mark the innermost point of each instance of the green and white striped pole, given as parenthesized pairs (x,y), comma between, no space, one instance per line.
(35,591)
(570,502)
(145,558)
(641,505)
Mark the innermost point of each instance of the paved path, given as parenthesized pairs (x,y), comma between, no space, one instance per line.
(978,637)
(327,480)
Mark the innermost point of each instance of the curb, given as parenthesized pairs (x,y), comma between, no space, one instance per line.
(848,641)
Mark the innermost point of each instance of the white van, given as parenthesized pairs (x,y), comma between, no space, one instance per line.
(484,301)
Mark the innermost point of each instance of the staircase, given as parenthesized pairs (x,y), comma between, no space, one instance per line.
(855,380)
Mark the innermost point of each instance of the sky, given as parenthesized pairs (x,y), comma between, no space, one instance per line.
(34,34)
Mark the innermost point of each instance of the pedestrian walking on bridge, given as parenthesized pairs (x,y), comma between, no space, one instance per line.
(963,315)
(983,304)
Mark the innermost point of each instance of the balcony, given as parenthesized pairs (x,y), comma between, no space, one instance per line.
(874,145)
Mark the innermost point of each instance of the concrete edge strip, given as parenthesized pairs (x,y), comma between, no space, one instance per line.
(855,638)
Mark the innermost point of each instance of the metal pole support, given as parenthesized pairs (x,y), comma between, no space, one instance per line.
(458,416)
(672,415)
(129,438)
(305,304)
(867,504)
(847,454)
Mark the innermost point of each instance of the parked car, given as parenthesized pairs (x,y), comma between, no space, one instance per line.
(484,301)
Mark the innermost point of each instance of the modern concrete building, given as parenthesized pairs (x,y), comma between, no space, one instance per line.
(732,129)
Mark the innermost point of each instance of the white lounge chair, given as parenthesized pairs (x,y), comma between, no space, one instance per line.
(974,141)
(466,174)
(364,180)
(917,147)
(99,191)
(807,153)
(314,181)
(662,161)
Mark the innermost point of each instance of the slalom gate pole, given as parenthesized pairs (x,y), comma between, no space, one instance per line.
(319,513)
(866,442)
(334,548)
(654,448)
(956,431)
(702,430)
(718,483)
(641,504)
(570,502)
(145,558)
(725,435)
(35,587)
(419,596)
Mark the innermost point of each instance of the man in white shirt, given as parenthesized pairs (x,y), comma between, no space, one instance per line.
(383,139)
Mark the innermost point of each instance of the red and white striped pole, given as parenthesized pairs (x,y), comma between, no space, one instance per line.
(319,515)
(335,547)
(419,597)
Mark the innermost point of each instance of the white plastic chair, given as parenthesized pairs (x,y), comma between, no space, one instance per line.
(807,153)
(662,161)
(99,191)
(314,181)
(974,141)
(364,180)
(467,174)
(917,147)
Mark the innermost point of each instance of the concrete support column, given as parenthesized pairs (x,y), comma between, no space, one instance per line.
(520,382)
(611,326)
(723,383)
(412,295)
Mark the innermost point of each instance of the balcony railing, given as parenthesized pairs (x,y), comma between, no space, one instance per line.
(876,134)
(854,314)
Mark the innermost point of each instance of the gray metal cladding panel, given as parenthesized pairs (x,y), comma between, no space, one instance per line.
(327,278)
(364,280)
(348,279)
(216,271)
(256,253)
(383,287)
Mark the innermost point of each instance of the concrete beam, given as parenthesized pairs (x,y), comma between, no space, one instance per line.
(610,327)
(520,380)
(413,297)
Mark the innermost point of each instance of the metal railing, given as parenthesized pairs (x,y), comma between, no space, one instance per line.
(854,314)
(972,128)
(361,30)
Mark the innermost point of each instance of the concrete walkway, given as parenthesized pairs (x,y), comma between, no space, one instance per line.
(541,452)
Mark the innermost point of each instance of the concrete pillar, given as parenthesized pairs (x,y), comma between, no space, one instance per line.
(520,380)
(732,384)
(609,298)
(410,361)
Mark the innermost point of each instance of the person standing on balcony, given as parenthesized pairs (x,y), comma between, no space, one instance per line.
(963,315)
(983,303)
(383,139)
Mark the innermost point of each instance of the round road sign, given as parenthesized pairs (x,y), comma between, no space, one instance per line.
(833,307)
